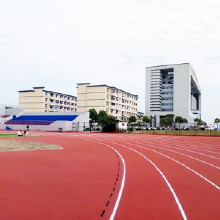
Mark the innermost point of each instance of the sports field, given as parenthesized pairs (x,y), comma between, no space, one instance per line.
(111,176)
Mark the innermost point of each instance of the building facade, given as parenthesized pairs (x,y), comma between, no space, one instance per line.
(41,100)
(172,89)
(114,101)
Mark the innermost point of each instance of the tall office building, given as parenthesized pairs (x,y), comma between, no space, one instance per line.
(114,101)
(172,89)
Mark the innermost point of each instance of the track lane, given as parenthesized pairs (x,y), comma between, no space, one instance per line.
(67,184)
(178,162)
(191,188)
(162,197)
(203,167)
(136,202)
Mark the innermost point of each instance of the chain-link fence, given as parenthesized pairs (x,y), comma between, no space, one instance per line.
(178,129)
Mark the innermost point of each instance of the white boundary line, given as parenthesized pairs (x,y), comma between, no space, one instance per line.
(202,161)
(161,173)
(180,164)
(122,182)
(179,148)
(197,148)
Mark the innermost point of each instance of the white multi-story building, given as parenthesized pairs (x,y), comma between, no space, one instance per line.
(172,89)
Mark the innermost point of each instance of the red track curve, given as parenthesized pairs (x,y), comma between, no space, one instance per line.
(83,180)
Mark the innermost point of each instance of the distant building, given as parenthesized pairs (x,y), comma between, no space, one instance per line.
(114,101)
(9,109)
(41,100)
(172,89)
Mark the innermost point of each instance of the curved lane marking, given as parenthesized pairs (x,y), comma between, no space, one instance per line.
(161,173)
(122,182)
(217,187)
(180,148)
(202,161)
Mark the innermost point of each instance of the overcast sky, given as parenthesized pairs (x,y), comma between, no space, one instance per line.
(59,43)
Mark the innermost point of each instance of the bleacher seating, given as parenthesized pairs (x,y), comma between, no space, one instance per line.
(39,119)
(28,122)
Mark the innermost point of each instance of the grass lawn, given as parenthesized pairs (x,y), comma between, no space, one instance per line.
(14,145)
(14,135)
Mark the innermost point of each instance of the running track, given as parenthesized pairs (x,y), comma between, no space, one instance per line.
(112,176)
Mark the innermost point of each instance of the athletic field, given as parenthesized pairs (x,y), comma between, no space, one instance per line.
(68,176)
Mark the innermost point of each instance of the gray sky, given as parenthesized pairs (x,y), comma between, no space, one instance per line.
(58,43)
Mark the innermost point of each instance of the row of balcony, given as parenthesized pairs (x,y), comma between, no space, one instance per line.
(60,107)
(122,94)
(113,98)
(60,102)
(55,95)
(122,113)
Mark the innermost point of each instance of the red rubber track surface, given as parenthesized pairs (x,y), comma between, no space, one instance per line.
(83,180)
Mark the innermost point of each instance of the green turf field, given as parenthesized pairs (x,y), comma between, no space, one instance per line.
(14,135)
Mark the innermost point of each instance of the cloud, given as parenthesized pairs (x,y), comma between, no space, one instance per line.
(60,43)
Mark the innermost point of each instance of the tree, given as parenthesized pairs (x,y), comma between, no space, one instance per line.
(163,121)
(180,120)
(93,115)
(146,119)
(198,121)
(217,120)
(170,119)
(107,122)
(132,119)
(185,120)
(167,120)
(102,118)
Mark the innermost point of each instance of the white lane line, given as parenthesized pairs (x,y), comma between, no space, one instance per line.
(122,182)
(161,173)
(198,144)
(177,144)
(202,161)
(213,184)
(197,148)
(179,148)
